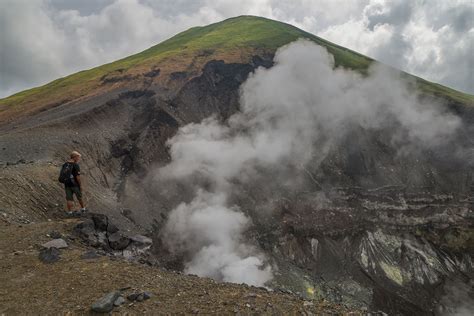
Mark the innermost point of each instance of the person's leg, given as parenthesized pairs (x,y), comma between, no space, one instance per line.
(78,193)
(69,204)
(69,199)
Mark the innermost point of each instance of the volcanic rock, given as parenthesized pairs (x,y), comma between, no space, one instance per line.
(119,301)
(117,241)
(106,303)
(49,255)
(56,243)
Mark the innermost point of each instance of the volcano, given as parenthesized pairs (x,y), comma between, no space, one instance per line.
(371,224)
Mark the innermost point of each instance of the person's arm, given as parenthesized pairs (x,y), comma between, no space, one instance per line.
(78,175)
(78,179)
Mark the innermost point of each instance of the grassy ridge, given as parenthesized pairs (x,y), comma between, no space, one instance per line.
(240,32)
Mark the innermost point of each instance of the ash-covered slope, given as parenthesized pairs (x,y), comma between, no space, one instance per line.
(352,185)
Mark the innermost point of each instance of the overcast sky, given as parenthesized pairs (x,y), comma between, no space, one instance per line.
(41,40)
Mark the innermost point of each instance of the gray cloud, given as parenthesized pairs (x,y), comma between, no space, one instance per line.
(84,7)
(289,118)
(399,13)
(432,39)
(45,39)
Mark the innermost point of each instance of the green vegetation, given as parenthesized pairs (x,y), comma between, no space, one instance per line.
(436,89)
(243,32)
(246,32)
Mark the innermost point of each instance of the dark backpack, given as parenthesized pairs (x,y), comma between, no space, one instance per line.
(65,174)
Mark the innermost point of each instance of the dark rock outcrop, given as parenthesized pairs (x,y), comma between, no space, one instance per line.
(97,231)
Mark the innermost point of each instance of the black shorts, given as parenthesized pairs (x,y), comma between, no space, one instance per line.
(70,191)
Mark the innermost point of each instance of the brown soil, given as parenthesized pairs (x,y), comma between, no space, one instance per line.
(72,284)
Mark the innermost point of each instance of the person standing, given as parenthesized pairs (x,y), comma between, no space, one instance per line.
(70,175)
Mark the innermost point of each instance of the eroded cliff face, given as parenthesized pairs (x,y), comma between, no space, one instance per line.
(368,226)
(392,255)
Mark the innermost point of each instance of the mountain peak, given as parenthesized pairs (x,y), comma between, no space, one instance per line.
(233,40)
(253,32)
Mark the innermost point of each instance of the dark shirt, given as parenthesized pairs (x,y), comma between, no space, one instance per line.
(76,171)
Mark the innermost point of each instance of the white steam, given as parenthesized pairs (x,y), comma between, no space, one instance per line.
(212,232)
(290,114)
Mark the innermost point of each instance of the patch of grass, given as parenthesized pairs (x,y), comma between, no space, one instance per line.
(242,32)
(445,92)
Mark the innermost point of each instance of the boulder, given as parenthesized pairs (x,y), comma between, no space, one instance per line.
(132,297)
(111,228)
(102,240)
(119,301)
(86,231)
(140,297)
(56,243)
(106,303)
(49,255)
(100,221)
(117,241)
(85,228)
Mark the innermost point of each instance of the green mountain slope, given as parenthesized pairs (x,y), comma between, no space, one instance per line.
(245,34)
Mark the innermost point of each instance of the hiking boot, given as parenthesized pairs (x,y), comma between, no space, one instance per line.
(74,214)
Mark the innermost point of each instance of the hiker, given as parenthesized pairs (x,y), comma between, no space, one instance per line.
(70,175)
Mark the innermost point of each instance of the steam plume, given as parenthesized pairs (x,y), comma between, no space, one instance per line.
(291,114)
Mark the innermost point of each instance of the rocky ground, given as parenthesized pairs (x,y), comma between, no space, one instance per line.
(73,283)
